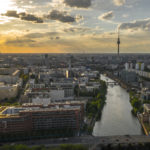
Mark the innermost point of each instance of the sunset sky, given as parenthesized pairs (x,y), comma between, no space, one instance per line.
(74,26)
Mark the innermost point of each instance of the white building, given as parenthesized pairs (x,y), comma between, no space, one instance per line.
(25,70)
(41,101)
(128,66)
(140,66)
(9,79)
(8,91)
(57,95)
(37,86)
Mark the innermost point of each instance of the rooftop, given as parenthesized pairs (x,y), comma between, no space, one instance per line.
(14,111)
(147,106)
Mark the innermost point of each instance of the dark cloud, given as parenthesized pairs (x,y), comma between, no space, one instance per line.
(78,3)
(76,30)
(29,40)
(107,16)
(57,38)
(30,17)
(12,13)
(34,35)
(136,25)
(19,42)
(23,16)
(60,16)
(41,35)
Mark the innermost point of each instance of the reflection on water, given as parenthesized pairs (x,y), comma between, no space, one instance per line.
(117,118)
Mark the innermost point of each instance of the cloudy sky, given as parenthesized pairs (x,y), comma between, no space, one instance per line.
(72,26)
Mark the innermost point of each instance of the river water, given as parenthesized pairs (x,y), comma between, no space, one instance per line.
(117,118)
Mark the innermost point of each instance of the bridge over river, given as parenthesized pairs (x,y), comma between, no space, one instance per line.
(112,83)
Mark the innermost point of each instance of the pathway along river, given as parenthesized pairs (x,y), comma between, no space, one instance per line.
(117,118)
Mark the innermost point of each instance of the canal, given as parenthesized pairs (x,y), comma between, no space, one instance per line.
(117,118)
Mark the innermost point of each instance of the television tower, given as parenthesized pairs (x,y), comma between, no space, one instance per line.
(118,43)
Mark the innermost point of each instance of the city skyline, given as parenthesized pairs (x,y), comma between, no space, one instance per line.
(74,26)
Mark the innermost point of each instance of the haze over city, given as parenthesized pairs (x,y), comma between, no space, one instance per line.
(74,26)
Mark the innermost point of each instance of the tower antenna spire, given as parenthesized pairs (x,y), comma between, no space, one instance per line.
(118,42)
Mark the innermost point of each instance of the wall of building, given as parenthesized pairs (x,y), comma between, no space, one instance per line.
(9,79)
(35,118)
(8,91)
(57,94)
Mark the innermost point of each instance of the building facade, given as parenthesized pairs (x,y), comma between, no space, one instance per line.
(32,118)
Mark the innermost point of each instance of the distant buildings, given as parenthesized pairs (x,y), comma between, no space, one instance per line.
(128,77)
(138,66)
(146,114)
(56,92)
(128,66)
(9,83)
(145,94)
(140,73)
(8,91)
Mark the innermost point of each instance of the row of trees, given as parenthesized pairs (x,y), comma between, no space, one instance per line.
(83,92)
(136,104)
(138,146)
(24,77)
(95,106)
(61,147)
(9,102)
(40,134)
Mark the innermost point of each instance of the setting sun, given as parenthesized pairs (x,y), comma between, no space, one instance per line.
(6,5)
(35,25)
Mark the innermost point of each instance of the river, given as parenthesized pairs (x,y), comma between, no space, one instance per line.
(117,118)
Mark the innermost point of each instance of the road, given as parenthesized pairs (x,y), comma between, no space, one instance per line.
(90,141)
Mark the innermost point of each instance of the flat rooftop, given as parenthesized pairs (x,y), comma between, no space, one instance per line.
(16,110)
(12,110)
(56,103)
(2,108)
(147,106)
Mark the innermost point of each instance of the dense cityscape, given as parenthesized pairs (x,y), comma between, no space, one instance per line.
(65,96)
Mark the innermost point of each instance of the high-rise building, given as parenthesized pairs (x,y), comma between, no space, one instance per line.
(128,65)
(118,43)
(140,66)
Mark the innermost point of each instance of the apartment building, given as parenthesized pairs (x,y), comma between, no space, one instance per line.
(30,118)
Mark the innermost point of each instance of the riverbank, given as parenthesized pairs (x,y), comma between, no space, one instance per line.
(134,99)
(121,83)
(95,106)
(116,118)
(135,102)
(143,125)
